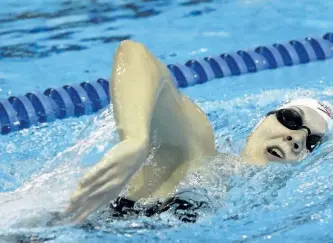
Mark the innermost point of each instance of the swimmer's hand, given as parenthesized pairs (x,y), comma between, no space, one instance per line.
(104,182)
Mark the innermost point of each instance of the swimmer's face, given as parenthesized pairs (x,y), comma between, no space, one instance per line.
(273,141)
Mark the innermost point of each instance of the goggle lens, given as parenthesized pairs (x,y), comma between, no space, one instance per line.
(312,141)
(292,120)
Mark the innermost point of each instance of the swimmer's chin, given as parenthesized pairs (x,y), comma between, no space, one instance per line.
(252,159)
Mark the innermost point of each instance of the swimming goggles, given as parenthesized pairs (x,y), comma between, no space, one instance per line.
(292,120)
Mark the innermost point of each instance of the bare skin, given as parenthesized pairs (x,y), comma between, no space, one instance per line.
(154,118)
(290,144)
(149,111)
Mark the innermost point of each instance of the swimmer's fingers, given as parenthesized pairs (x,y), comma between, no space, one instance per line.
(94,201)
(115,179)
(110,175)
(83,191)
(80,194)
(111,189)
(126,157)
(96,172)
(89,207)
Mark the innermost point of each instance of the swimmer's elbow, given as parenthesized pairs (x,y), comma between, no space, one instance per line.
(129,45)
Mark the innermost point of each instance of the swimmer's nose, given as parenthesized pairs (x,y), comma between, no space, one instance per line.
(296,141)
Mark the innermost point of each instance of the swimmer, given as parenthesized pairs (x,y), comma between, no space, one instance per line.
(155,120)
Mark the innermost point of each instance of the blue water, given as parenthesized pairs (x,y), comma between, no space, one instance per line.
(51,43)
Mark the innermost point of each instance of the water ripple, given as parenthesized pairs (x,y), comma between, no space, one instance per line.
(65,23)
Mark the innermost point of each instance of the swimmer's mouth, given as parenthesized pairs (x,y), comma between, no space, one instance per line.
(276,152)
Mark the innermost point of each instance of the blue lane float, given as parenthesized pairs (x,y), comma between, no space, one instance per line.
(19,112)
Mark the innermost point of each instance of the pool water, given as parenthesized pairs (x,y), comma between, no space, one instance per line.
(52,43)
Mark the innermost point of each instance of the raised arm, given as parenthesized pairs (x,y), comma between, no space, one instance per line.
(135,86)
